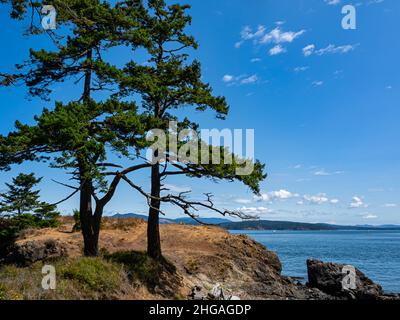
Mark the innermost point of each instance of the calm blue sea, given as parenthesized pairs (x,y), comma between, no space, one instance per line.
(376,253)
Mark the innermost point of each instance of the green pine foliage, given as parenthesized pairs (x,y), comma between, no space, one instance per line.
(22,201)
(21,208)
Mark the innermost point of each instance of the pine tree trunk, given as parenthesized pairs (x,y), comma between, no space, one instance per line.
(153,228)
(90,226)
(91,245)
(90,229)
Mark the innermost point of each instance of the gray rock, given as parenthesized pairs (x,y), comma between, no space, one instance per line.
(33,251)
(196,293)
(334,279)
(217,293)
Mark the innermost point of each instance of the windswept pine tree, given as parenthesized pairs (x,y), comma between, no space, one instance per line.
(167,83)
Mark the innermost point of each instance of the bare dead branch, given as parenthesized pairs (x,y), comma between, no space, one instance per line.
(65,185)
(109,165)
(67,198)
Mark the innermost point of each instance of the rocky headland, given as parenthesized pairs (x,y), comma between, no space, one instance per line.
(201,262)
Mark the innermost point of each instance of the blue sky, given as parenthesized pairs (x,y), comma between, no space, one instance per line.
(323,101)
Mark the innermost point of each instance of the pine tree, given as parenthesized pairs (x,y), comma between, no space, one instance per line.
(20,198)
(21,208)
(166,83)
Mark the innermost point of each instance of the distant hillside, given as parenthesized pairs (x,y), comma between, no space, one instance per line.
(276,225)
(189,220)
(143,217)
(261,224)
(185,220)
(288,225)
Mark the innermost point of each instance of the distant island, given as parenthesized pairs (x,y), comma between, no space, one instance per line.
(262,224)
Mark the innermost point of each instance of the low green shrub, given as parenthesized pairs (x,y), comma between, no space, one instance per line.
(94,273)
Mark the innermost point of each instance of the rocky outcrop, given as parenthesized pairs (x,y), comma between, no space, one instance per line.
(341,281)
(32,251)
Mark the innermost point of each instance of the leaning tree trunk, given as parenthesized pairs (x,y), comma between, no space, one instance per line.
(153,228)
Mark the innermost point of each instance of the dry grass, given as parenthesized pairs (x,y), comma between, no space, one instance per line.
(77,279)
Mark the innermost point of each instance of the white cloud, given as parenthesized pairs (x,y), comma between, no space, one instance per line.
(357,202)
(255,60)
(323,172)
(228,78)
(276,36)
(390,205)
(240,80)
(320,199)
(374,2)
(276,195)
(278,49)
(318,84)
(238,44)
(249,80)
(332,2)
(242,201)
(248,34)
(308,50)
(254,210)
(175,188)
(317,199)
(370,216)
(330,49)
(301,69)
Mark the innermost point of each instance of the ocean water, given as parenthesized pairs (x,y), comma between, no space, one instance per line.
(375,253)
